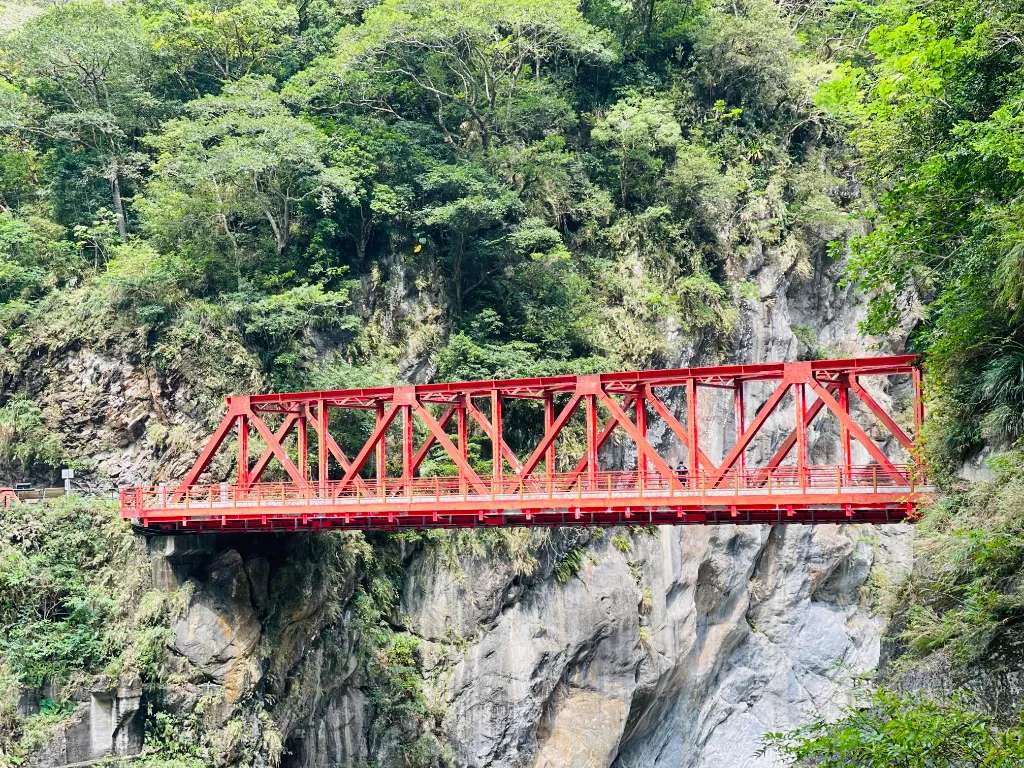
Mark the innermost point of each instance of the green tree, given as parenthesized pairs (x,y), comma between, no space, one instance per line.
(641,132)
(902,732)
(467,210)
(87,66)
(235,173)
(32,255)
(934,102)
(213,43)
(383,163)
(27,443)
(466,63)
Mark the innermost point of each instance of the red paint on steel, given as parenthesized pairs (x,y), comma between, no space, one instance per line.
(740,487)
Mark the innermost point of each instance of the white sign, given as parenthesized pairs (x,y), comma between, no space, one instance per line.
(67,474)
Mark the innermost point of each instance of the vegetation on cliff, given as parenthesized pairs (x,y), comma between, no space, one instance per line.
(566,185)
(891,731)
(76,608)
(932,97)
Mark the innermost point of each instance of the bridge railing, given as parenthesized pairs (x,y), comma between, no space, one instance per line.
(555,487)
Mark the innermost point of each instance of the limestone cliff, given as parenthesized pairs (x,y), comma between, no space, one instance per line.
(679,651)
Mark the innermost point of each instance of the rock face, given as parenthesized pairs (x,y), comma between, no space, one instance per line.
(682,651)
(672,647)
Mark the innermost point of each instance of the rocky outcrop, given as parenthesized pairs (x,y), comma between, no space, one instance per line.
(682,651)
(673,647)
(994,685)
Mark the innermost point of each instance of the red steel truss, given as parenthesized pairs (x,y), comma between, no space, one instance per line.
(554,476)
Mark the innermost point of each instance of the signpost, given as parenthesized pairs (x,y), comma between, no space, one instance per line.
(67,475)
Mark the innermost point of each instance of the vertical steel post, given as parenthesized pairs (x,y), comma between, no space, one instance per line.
(549,419)
(321,446)
(800,406)
(303,438)
(243,451)
(641,427)
(497,459)
(591,415)
(741,422)
(463,440)
(844,430)
(692,464)
(381,452)
(407,448)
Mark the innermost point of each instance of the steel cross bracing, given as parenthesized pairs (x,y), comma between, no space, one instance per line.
(549,434)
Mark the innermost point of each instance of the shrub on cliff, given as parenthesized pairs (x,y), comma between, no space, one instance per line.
(966,594)
(901,732)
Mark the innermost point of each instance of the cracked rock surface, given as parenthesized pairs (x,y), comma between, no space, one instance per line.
(681,652)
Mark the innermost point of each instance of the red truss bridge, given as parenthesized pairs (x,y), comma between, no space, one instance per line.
(330,453)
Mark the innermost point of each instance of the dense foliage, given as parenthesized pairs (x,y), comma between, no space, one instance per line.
(903,732)
(966,595)
(74,606)
(569,182)
(934,95)
(250,192)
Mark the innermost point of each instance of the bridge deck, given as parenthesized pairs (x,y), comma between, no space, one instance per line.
(826,494)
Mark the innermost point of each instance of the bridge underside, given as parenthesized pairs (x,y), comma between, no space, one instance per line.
(895,505)
(539,478)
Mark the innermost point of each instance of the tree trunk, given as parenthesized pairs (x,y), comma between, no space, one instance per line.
(457,275)
(280,232)
(648,19)
(115,191)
